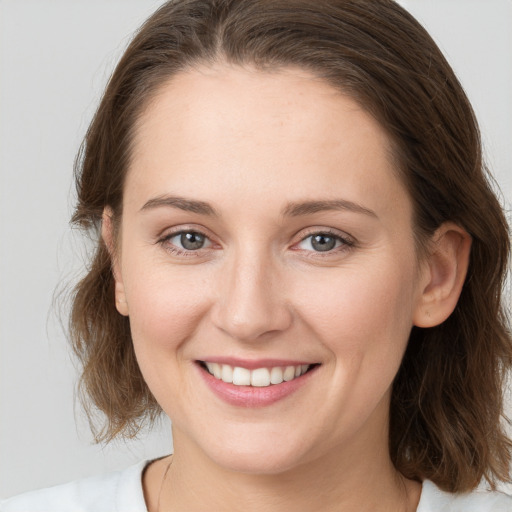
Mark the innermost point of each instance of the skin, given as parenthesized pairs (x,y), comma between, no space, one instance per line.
(250,144)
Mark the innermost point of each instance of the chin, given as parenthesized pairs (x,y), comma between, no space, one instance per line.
(270,456)
(257,464)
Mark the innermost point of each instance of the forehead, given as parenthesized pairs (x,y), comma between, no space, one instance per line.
(256,131)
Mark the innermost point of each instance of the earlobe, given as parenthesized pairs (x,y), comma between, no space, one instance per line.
(107,234)
(121,304)
(446,267)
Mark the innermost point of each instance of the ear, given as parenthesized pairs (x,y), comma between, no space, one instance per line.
(107,233)
(445,270)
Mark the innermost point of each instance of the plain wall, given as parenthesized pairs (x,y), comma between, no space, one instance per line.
(55,57)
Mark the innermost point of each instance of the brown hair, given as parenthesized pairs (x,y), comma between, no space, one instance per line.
(447,401)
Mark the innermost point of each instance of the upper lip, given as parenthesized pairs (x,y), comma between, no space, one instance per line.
(253,364)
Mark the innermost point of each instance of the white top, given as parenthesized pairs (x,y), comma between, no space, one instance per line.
(122,492)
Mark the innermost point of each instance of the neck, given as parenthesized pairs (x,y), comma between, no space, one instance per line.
(341,480)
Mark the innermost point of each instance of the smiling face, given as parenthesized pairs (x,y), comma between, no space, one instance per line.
(265,235)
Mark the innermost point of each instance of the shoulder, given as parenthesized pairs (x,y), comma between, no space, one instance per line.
(118,491)
(435,500)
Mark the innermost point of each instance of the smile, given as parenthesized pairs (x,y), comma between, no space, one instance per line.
(259,377)
(255,384)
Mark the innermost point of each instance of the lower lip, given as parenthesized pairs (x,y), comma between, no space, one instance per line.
(252,396)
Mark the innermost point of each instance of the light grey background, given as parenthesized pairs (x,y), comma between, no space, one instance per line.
(55,57)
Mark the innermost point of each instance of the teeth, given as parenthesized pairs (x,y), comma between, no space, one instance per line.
(217,370)
(289,373)
(241,376)
(276,375)
(227,373)
(261,377)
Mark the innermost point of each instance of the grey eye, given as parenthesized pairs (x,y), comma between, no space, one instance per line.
(188,241)
(191,241)
(321,242)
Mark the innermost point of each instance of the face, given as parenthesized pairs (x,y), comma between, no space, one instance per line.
(266,239)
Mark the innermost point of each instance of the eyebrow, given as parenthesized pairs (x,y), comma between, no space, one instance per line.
(294,209)
(182,203)
(310,207)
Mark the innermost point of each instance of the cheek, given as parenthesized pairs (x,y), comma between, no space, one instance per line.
(166,308)
(360,309)
(166,305)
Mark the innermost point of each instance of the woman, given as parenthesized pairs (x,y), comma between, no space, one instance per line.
(300,263)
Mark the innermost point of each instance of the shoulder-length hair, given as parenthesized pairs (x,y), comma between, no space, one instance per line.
(447,401)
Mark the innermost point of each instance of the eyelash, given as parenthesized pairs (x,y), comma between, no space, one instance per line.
(345,243)
(176,251)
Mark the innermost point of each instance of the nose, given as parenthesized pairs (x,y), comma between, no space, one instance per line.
(251,303)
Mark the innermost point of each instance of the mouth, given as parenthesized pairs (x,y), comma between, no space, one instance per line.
(258,377)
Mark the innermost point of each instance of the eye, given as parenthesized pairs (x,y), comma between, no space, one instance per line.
(187,241)
(323,242)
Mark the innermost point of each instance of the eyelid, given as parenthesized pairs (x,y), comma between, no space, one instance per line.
(179,233)
(167,234)
(347,241)
(320,230)
(171,231)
